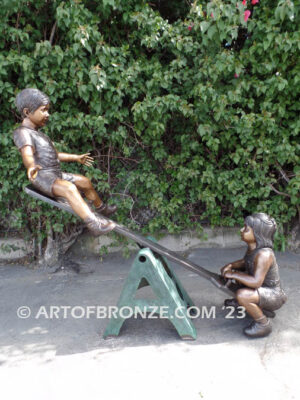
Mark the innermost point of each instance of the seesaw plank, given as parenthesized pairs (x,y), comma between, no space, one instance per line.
(214,278)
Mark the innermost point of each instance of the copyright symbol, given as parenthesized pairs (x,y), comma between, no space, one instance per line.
(23,312)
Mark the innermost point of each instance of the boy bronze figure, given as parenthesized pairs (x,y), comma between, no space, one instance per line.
(257,275)
(42,162)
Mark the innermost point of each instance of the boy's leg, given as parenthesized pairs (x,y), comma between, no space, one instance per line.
(85,185)
(67,190)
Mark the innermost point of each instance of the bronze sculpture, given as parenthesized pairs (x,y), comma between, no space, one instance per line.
(258,286)
(42,162)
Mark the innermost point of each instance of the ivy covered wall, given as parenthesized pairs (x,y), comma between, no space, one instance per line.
(191,109)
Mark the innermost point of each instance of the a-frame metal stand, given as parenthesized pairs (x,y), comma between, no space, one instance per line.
(172,301)
(151,267)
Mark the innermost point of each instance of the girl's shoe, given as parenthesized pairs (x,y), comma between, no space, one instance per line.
(258,329)
(231,303)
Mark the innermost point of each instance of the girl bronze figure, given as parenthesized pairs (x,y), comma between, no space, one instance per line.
(257,275)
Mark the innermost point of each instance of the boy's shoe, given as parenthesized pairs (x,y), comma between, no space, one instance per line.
(258,329)
(99,226)
(106,209)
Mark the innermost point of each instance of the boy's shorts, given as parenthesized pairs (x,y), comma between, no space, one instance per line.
(46,178)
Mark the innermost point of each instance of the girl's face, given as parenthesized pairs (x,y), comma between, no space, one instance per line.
(247,234)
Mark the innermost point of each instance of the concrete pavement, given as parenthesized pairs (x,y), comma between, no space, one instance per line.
(51,357)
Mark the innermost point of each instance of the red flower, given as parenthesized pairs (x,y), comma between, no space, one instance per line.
(247,14)
(236,75)
(244,2)
(254,2)
(190,28)
(212,15)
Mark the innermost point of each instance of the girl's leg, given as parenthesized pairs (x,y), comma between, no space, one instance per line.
(249,298)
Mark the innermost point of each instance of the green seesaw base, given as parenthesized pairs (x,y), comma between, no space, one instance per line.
(171,298)
(150,267)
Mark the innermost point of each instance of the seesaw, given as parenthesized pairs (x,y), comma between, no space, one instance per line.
(151,267)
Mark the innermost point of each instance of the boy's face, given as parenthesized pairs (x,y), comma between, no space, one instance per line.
(40,116)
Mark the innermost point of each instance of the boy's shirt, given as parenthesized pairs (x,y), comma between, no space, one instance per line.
(44,151)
